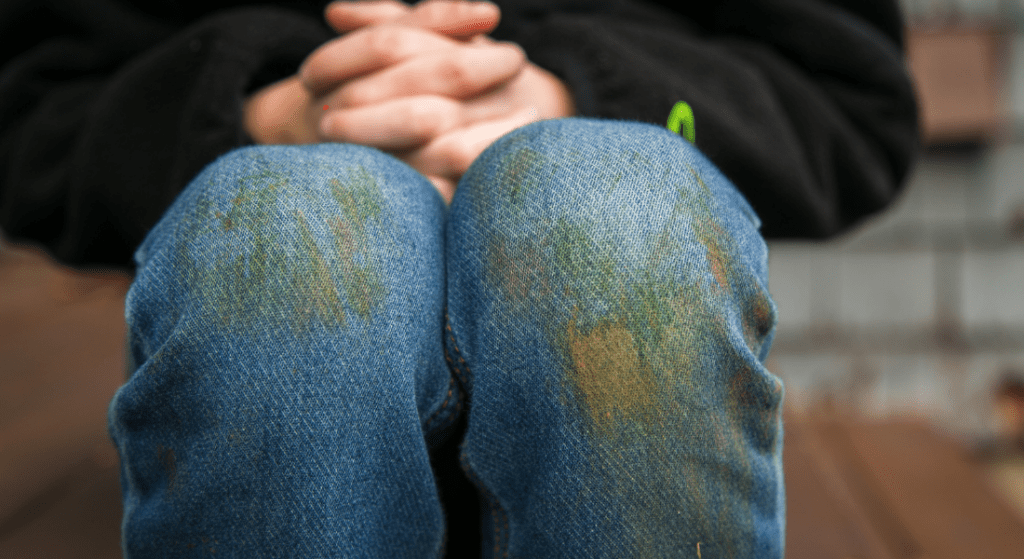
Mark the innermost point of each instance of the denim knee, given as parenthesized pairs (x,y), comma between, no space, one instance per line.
(596,203)
(609,307)
(290,238)
(617,176)
(285,322)
(619,237)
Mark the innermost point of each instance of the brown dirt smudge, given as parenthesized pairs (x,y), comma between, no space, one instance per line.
(607,371)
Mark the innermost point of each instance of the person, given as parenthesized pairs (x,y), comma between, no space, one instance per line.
(438,280)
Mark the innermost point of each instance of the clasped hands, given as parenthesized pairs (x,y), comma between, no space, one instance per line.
(423,83)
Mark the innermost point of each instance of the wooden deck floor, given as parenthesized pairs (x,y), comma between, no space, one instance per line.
(855,489)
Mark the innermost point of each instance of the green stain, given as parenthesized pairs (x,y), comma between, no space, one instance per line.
(362,283)
(635,334)
(518,175)
(311,279)
(361,200)
(273,270)
(583,260)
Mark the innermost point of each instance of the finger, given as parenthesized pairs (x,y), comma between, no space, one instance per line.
(384,42)
(451,154)
(398,124)
(349,16)
(453,18)
(462,73)
(364,51)
(443,185)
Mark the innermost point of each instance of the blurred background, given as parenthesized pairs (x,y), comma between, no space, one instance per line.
(901,344)
(917,316)
(921,309)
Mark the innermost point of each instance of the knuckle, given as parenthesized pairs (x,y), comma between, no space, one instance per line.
(332,126)
(351,95)
(313,67)
(461,10)
(453,72)
(385,41)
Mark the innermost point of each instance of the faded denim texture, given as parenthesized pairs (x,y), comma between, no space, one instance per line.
(309,323)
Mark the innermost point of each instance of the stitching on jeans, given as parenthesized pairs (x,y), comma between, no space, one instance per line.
(492,500)
(458,405)
(495,507)
(458,371)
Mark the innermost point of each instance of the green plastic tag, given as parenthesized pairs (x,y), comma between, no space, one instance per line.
(681,117)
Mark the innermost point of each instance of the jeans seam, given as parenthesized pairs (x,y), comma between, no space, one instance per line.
(458,405)
(498,514)
(463,378)
(497,511)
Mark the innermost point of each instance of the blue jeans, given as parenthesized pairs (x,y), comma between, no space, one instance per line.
(328,361)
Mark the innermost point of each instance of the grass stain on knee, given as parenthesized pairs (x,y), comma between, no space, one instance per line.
(361,199)
(279,271)
(585,262)
(311,280)
(636,352)
(518,175)
(718,258)
(362,276)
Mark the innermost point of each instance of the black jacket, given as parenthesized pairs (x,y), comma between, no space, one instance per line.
(112,106)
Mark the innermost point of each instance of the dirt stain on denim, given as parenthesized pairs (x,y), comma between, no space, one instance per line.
(718,260)
(759,319)
(281,270)
(607,369)
(519,269)
(362,269)
(758,313)
(635,352)
(237,437)
(518,174)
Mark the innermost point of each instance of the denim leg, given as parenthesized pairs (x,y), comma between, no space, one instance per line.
(608,311)
(285,327)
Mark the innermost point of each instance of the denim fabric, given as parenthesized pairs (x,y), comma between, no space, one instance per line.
(316,339)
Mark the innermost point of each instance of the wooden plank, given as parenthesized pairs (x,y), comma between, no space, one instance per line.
(78,517)
(939,494)
(871,497)
(61,360)
(825,520)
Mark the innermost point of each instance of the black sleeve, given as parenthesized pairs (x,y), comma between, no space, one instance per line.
(806,105)
(102,128)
